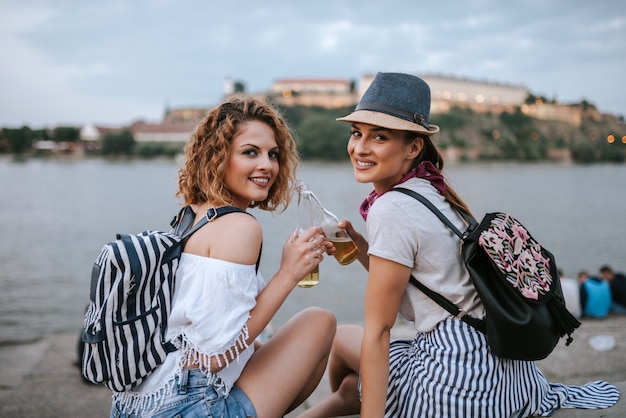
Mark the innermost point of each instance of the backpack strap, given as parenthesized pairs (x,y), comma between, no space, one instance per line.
(442,301)
(466,216)
(446,304)
(211,214)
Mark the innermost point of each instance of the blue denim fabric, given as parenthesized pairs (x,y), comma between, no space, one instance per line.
(192,398)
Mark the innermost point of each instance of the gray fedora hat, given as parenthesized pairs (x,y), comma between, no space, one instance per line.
(395,101)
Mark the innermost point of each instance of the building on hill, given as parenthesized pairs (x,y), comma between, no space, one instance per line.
(184,115)
(475,94)
(480,96)
(328,93)
(573,114)
(447,92)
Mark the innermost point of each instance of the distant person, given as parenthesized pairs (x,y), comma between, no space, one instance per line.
(571,293)
(242,154)
(595,297)
(617,282)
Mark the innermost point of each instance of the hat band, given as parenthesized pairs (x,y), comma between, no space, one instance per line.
(394,111)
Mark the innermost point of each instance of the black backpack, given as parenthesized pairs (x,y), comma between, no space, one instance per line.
(517,282)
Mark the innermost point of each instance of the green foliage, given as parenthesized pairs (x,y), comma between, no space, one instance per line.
(157,149)
(239,87)
(66,133)
(517,120)
(121,143)
(455,119)
(319,139)
(318,135)
(18,140)
(530,99)
(487,136)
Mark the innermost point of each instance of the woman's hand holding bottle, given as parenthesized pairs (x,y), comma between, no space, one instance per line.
(359,240)
(303,252)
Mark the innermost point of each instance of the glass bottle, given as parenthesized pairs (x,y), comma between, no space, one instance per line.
(311,212)
(306,219)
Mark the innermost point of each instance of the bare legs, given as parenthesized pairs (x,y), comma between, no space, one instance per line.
(343,375)
(287,369)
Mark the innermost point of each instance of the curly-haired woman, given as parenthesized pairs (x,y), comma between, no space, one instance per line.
(243,155)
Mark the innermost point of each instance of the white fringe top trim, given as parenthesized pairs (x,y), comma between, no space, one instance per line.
(150,402)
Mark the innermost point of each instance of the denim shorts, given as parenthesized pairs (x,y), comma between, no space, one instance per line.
(192,397)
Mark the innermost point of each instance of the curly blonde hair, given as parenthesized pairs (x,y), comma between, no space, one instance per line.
(201,178)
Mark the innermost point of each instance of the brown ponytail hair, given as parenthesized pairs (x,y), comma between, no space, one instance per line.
(430,153)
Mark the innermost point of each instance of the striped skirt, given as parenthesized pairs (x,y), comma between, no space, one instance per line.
(450,372)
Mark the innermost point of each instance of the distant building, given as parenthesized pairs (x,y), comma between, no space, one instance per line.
(473,92)
(480,96)
(328,93)
(572,114)
(163,132)
(184,115)
(447,92)
(91,132)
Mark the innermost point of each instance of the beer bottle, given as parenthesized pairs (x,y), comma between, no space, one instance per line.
(311,212)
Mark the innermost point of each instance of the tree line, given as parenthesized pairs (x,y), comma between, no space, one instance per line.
(507,136)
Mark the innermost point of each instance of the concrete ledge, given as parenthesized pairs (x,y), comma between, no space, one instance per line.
(39,378)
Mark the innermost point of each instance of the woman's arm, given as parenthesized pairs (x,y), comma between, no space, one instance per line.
(387,281)
(299,257)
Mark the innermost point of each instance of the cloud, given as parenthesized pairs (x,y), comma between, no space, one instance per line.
(74,61)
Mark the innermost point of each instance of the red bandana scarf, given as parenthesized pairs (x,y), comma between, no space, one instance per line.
(425,170)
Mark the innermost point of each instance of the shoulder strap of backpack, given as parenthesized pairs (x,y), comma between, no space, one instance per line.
(442,301)
(468,218)
(454,310)
(213,213)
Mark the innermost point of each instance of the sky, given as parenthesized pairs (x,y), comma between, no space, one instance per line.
(73,62)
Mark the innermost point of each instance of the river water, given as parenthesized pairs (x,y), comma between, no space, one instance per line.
(55,215)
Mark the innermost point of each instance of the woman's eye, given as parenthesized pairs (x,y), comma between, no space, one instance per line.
(356,134)
(273,155)
(380,138)
(250,152)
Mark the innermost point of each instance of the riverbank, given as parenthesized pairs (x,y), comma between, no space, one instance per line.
(40,379)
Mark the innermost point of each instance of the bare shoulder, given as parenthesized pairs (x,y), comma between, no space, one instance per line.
(235,237)
(243,223)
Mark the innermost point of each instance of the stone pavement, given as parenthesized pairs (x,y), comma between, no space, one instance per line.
(39,379)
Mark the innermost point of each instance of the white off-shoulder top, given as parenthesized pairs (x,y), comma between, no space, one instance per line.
(211,305)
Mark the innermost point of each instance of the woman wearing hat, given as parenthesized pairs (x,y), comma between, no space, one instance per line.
(447,370)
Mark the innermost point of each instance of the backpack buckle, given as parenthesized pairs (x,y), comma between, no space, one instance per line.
(211,214)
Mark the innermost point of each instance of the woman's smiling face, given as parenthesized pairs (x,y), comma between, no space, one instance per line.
(252,163)
(379,155)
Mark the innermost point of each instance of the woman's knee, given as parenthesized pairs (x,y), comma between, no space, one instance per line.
(318,320)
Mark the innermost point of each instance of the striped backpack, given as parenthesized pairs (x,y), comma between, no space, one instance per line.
(132,285)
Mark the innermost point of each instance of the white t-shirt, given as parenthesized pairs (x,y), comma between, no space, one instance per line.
(403,230)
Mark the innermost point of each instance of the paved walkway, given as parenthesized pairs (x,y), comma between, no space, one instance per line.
(39,378)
